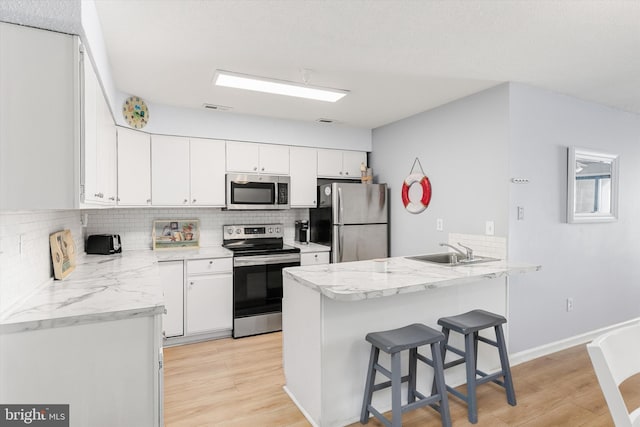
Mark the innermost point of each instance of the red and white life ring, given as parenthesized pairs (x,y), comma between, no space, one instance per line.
(426,193)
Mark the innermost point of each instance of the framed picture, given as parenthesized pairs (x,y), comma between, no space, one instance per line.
(176,234)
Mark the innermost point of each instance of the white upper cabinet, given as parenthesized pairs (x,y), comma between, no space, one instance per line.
(134,168)
(340,164)
(40,119)
(250,157)
(302,167)
(98,143)
(207,172)
(170,170)
(274,159)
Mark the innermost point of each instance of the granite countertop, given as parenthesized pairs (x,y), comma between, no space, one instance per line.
(353,281)
(187,254)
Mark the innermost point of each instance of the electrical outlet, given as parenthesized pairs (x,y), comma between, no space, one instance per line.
(569,304)
(520,213)
(439,224)
(489,228)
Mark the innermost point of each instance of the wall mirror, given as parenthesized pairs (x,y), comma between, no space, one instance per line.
(592,191)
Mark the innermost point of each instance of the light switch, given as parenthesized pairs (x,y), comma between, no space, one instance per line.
(520,213)
(439,224)
(489,228)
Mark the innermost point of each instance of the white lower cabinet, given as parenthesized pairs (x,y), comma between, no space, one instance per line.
(172,277)
(209,295)
(313,258)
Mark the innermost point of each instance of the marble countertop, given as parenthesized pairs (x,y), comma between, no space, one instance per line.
(353,281)
(102,287)
(187,254)
(309,247)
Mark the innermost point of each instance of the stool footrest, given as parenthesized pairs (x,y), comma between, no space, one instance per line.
(454,363)
(489,377)
(487,340)
(379,416)
(455,350)
(378,367)
(387,384)
(457,394)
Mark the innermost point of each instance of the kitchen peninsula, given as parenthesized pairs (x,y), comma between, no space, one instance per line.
(328,310)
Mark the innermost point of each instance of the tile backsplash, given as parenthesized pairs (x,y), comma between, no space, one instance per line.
(134,225)
(491,246)
(25,257)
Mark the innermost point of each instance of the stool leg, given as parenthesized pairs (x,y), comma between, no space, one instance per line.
(506,369)
(396,397)
(471,378)
(438,375)
(368,389)
(443,350)
(413,367)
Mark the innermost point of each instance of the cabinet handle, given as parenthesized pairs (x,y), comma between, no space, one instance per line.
(191,283)
(316,255)
(262,169)
(210,262)
(185,200)
(194,200)
(112,198)
(346,173)
(340,172)
(148,200)
(118,199)
(255,168)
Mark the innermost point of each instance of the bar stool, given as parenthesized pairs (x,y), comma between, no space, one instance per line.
(469,324)
(393,342)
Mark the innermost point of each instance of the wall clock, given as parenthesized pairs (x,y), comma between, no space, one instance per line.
(135,112)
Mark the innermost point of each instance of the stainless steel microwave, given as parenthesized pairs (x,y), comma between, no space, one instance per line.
(252,192)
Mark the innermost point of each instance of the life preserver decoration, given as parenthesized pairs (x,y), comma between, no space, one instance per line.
(425,184)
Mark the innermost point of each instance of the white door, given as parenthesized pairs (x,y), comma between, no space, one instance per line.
(303,170)
(207,172)
(330,163)
(274,159)
(172,280)
(134,168)
(169,170)
(351,162)
(242,157)
(209,303)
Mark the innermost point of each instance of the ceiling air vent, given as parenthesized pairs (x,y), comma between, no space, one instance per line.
(325,121)
(216,107)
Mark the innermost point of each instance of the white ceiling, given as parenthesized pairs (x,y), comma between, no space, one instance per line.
(397,58)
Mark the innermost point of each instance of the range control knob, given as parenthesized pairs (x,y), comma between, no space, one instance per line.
(238,231)
(270,230)
(277,229)
(229,230)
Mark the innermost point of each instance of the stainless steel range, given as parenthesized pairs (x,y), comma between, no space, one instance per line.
(259,255)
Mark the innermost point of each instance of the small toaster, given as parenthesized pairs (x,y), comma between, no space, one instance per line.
(103,244)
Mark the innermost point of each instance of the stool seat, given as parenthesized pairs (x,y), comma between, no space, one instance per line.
(472,321)
(411,336)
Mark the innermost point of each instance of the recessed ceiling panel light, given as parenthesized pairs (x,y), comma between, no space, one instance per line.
(279,87)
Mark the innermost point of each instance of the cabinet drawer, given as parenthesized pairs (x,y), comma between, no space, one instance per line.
(204,266)
(314,258)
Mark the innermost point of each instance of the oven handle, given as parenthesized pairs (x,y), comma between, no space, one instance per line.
(265,259)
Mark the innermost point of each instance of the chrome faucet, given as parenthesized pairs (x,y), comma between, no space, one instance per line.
(468,255)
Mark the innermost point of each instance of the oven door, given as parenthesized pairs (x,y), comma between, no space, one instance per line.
(257,292)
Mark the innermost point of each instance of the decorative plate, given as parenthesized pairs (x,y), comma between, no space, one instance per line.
(135,112)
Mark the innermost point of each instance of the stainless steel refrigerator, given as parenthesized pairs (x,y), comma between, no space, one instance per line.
(352,218)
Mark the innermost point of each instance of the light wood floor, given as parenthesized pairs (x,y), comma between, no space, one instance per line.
(238,383)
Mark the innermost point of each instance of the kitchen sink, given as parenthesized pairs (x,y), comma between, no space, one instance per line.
(451,259)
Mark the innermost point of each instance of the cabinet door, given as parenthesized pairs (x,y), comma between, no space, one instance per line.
(39,119)
(209,303)
(314,258)
(351,161)
(274,159)
(330,163)
(134,168)
(207,172)
(90,134)
(242,157)
(172,279)
(169,170)
(106,149)
(303,169)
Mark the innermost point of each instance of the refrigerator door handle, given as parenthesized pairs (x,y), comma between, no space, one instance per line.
(340,207)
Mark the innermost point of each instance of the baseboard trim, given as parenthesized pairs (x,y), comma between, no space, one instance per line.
(295,401)
(534,353)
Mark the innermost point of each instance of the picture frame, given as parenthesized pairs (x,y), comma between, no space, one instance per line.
(176,234)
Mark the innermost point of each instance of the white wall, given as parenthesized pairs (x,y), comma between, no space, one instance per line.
(463,149)
(25,256)
(595,264)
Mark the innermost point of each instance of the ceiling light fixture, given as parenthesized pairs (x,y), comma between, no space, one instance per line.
(279,87)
